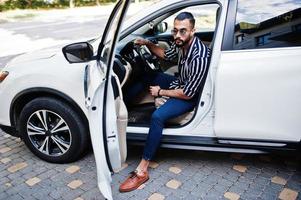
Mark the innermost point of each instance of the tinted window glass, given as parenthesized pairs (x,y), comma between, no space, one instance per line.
(267,24)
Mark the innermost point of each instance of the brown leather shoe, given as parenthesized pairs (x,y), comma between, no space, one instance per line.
(133,181)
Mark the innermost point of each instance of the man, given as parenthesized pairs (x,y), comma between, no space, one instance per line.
(193,60)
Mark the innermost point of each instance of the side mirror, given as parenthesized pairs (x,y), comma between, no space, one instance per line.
(78,52)
(161,27)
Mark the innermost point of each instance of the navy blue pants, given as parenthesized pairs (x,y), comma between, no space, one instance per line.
(173,107)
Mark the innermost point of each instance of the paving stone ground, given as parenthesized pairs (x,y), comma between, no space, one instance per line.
(175,174)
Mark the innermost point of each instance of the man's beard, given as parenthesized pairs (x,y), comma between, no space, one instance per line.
(181,43)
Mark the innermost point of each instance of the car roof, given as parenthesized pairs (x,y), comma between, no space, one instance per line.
(155,7)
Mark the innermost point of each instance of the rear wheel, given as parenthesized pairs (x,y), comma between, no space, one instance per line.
(52,130)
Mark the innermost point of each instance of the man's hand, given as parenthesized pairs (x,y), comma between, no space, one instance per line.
(153,90)
(141,41)
(175,93)
(157,50)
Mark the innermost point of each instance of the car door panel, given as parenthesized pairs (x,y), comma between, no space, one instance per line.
(94,100)
(115,128)
(104,109)
(116,114)
(122,120)
(258,94)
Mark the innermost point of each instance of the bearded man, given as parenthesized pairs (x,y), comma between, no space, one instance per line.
(183,91)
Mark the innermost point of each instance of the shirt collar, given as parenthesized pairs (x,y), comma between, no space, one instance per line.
(190,48)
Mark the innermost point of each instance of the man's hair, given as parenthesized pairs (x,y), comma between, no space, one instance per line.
(186,15)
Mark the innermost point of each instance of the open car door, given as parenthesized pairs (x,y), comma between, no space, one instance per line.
(107,113)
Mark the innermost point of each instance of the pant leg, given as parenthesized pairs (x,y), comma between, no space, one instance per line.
(161,79)
(154,78)
(172,108)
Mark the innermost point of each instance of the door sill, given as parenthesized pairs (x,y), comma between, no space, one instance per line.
(217,144)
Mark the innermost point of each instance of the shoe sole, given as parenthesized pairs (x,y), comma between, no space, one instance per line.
(131,189)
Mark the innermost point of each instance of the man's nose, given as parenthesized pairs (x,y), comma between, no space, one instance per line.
(177,35)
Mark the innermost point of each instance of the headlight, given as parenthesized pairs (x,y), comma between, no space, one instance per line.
(3,75)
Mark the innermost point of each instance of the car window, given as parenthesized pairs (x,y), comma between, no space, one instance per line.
(110,33)
(267,24)
(205,17)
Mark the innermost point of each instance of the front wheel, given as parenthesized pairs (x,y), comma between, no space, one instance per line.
(52,130)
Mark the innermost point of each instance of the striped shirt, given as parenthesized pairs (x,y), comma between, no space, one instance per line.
(192,67)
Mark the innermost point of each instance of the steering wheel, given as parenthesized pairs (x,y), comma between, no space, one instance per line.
(147,58)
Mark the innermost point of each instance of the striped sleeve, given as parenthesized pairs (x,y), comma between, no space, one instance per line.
(172,53)
(196,75)
(175,84)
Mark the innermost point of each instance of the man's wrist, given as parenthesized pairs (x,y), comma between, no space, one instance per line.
(159,92)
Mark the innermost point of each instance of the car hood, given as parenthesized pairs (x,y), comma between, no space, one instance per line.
(37,55)
(48,52)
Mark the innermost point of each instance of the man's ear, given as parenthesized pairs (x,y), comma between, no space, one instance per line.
(192,31)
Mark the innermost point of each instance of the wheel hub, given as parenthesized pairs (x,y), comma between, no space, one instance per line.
(48,133)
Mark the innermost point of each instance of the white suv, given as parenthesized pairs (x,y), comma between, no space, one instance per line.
(57,99)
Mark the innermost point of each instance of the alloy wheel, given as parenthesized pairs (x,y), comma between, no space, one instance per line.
(49,133)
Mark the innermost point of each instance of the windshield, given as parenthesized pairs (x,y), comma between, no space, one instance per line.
(110,31)
(142,7)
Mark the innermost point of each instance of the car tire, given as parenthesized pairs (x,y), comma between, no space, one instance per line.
(52,130)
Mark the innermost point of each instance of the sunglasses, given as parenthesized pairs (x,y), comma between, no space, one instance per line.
(182,31)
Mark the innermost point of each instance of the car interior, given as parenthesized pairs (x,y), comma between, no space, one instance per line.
(132,62)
